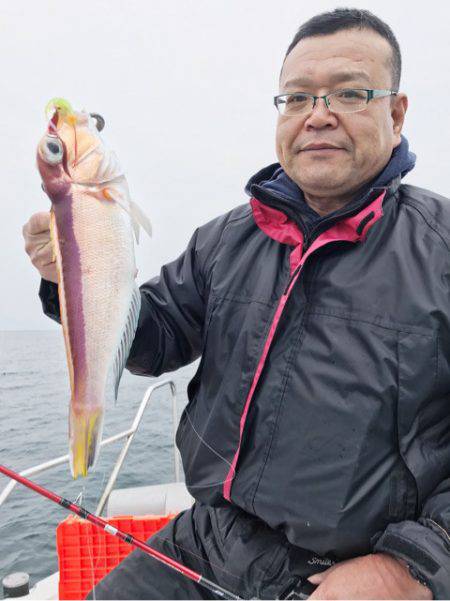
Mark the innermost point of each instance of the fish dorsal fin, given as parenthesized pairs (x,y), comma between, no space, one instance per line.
(126,341)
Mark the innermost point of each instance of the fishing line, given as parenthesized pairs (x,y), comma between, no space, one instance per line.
(157,535)
(202,559)
(93,566)
(228,463)
(224,459)
(91,551)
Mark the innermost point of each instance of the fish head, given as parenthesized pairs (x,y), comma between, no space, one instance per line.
(72,151)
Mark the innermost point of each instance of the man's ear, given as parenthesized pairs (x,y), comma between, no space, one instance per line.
(398,112)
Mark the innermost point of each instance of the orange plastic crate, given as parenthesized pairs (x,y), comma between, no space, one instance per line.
(87,553)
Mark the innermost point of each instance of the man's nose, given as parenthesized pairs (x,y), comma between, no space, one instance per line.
(321,116)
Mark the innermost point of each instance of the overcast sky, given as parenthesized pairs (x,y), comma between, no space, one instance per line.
(186,91)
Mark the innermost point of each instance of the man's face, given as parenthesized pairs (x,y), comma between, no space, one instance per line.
(366,139)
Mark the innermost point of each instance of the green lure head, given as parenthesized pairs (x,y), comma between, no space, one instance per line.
(60,105)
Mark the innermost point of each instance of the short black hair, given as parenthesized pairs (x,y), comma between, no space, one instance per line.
(351,18)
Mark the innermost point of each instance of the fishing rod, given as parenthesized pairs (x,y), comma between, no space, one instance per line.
(126,537)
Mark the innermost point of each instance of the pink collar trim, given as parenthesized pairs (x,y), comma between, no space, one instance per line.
(279,227)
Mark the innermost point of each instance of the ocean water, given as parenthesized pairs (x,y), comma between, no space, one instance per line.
(34,399)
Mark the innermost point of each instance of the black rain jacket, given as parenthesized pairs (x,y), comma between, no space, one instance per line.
(321,403)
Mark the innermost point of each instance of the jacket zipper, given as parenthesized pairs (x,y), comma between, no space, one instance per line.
(291,278)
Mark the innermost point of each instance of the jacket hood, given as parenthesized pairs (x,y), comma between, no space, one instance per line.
(274,187)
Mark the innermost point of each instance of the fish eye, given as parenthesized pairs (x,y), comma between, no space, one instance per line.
(52,150)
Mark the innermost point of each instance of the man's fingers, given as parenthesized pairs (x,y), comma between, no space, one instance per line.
(42,259)
(38,223)
(36,241)
(38,245)
(42,256)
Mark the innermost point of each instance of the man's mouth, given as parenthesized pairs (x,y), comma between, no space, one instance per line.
(322,149)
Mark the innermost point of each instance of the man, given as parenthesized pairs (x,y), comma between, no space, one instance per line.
(316,441)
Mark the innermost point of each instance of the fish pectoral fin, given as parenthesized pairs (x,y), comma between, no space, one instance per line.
(135,225)
(138,217)
(127,338)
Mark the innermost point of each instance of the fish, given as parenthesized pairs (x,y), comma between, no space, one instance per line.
(93,225)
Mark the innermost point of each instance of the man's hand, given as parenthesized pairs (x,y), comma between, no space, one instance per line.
(375,576)
(38,246)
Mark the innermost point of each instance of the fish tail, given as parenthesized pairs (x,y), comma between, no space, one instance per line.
(85,428)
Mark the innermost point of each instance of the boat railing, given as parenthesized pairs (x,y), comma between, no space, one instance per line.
(128,435)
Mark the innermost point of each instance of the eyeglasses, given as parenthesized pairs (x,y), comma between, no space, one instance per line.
(348,100)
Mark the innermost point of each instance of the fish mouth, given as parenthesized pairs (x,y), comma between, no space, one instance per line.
(53,123)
